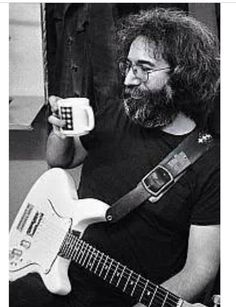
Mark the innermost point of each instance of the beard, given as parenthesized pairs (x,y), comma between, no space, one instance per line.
(150,109)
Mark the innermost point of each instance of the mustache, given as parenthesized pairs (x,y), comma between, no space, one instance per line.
(135,93)
(156,109)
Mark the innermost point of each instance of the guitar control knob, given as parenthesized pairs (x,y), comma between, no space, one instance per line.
(216,300)
(26,244)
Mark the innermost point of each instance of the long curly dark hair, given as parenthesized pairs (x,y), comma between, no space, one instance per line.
(188,46)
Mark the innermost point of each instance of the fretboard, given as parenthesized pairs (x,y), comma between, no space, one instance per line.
(117,274)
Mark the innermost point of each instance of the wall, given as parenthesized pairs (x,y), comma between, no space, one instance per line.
(27,161)
(26,87)
(25,50)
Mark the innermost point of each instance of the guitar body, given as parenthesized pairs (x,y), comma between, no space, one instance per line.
(50,210)
(42,241)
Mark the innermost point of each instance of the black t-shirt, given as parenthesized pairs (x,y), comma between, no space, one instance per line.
(153,238)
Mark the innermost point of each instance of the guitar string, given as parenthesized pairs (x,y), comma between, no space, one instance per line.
(85,248)
(70,240)
(69,246)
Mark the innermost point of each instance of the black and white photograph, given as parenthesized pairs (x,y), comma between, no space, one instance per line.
(115,154)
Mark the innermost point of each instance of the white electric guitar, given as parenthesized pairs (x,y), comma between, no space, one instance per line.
(41,240)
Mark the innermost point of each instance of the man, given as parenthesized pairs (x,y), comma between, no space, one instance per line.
(170,71)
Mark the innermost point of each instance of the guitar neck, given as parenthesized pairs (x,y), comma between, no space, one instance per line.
(117,274)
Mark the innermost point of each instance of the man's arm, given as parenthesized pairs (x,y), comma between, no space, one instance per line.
(62,151)
(201,266)
(67,152)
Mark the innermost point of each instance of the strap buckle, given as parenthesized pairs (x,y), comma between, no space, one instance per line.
(157,180)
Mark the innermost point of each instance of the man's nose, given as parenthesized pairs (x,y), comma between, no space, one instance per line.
(131,79)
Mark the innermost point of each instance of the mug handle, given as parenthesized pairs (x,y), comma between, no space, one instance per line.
(91,121)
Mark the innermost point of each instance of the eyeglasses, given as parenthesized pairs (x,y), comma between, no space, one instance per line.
(139,71)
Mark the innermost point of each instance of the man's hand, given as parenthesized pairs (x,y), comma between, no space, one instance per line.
(54,119)
(62,151)
(185,304)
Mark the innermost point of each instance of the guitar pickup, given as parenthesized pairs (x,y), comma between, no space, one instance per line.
(34,224)
(25,217)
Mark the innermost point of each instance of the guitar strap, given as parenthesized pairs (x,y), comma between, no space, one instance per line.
(161,178)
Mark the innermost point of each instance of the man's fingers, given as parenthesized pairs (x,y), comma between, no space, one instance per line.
(53,103)
(53,99)
(186,304)
(56,121)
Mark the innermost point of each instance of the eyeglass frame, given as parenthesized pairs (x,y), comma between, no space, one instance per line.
(131,66)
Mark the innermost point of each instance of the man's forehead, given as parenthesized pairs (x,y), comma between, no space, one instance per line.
(143,49)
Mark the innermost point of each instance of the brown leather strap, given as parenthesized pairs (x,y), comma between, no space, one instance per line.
(157,182)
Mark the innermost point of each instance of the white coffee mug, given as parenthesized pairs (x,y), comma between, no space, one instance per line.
(77,114)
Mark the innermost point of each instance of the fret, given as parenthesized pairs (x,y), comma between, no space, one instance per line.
(91,255)
(143,292)
(111,276)
(153,296)
(86,254)
(180,302)
(114,273)
(106,267)
(131,283)
(121,274)
(79,251)
(148,294)
(99,261)
(67,244)
(94,260)
(117,274)
(117,279)
(75,247)
(62,248)
(127,281)
(108,270)
(72,247)
(103,266)
(76,251)
(173,299)
(163,304)
(132,293)
(82,252)
(164,298)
